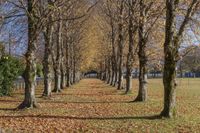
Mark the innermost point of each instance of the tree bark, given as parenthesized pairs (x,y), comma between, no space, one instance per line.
(169,74)
(120,46)
(57,87)
(74,72)
(63,71)
(47,61)
(171,52)
(68,64)
(30,70)
(130,56)
(142,94)
(116,77)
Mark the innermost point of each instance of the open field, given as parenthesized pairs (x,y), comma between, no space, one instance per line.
(92,106)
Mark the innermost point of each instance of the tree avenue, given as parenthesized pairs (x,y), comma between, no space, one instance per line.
(119,39)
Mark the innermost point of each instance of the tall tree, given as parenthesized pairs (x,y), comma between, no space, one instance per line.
(132,28)
(120,43)
(30,71)
(149,13)
(172,43)
(48,34)
(58,53)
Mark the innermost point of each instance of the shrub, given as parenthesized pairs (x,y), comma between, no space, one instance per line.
(10,69)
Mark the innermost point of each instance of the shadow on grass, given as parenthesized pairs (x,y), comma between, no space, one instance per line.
(7,109)
(10,101)
(154,117)
(90,102)
(88,94)
(67,102)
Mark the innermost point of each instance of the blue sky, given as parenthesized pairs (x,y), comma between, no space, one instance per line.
(16,27)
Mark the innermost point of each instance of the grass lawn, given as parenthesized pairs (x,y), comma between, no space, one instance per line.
(92,106)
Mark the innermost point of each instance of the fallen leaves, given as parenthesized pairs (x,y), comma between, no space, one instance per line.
(93,106)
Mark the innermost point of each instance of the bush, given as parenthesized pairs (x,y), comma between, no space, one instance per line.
(10,69)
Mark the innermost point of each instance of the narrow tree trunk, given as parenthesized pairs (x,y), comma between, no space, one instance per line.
(47,61)
(112,77)
(63,70)
(68,64)
(120,79)
(120,46)
(74,69)
(116,77)
(71,64)
(109,73)
(57,87)
(113,57)
(63,79)
(130,56)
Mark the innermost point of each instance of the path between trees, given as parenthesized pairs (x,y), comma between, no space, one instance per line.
(90,106)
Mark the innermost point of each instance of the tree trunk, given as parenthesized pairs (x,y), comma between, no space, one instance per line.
(169,73)
(74,69)
(63,79)
(169,86)
(109,73)
(57,87)
(30,71)
(68,64)
(47,61)
(112,77)
(120,46)
(63,70)
(130,56)
(116,77)
(120,78)
(171,52)
(142,94)
(30,80)
(71,64)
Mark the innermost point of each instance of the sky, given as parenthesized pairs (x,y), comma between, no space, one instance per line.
(16,29)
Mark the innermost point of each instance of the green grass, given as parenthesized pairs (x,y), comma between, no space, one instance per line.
(92,106)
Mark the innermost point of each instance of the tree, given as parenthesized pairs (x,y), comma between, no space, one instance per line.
(120,44)
(30,70)
(48,34)
(172,43)
(149,13)
(57,56)
(132,29)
